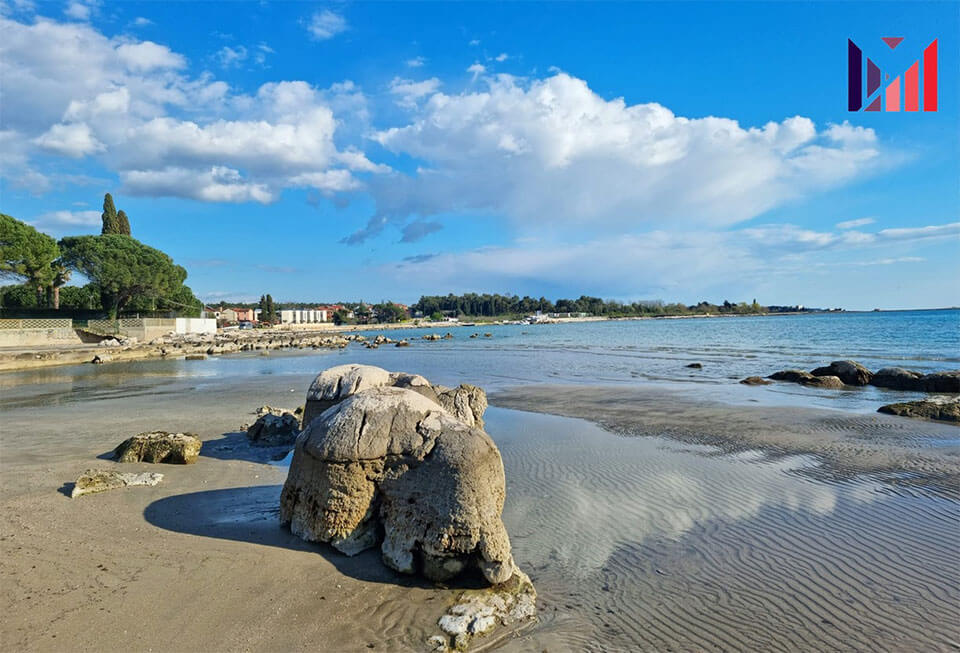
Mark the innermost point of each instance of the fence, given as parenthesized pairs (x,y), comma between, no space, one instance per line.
(31,331)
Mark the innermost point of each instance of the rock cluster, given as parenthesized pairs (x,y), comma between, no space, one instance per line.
(391,459)
(274,427)
(840,373)
(101,480)
(159,447)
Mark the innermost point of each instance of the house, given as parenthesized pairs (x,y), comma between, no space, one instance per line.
(245,315)
(333,308)
(228,315)
(211,312)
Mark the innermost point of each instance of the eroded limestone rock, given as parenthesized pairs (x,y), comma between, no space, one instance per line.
(274,427)
(391,461)
(159,447)
(101,480)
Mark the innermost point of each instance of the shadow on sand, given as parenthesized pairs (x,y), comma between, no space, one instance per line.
(251,514)
(235,446)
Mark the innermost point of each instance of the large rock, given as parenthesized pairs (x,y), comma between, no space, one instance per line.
(942,381)
(274,427)
(389,462)
(850,372)
(159,447)
(101,480)
(330,387)
(794,376)
(897,378)
(945,411)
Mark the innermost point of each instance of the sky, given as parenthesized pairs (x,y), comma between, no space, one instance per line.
(369,151)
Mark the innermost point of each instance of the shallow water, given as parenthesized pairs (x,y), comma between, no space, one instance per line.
(644,544)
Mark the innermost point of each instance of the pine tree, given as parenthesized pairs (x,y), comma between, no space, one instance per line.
(123,223)
(109,216)
(270,316)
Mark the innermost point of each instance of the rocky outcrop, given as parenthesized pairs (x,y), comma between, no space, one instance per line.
(794,376)
(274,427)
(897,378)
(392,466)
(159,447)
(945,411)
(754,380)
(330,387)
(828,382)
(850,372)
(942,382)
(101,480)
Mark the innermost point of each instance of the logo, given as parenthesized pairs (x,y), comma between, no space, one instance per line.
(889,97)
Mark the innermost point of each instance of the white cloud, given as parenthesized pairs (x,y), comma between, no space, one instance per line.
(69,90)
(552,154)
(474,42)
(859,222)
(73,140)
(80,10)
(476,69)
(409,91)
(260,56)
(59,222)
(146,56)
(501,57)
(140,21)
(229,57)
(416,62)
(325,25)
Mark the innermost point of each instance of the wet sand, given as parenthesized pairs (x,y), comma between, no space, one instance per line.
(634,543)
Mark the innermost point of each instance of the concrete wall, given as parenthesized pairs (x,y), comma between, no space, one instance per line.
(196,325)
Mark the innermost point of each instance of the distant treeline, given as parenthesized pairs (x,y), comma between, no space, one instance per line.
(486,305)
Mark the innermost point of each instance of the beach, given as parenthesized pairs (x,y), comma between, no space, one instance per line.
(684,515)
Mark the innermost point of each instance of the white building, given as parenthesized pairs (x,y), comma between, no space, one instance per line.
(303,316)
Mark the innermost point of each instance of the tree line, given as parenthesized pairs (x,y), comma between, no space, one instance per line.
(496,305)
(123,273)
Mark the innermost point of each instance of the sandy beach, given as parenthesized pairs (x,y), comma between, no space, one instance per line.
(745,528)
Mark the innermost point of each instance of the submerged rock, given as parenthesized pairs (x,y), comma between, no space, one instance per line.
(695,366)
(159,447)
(390,465)
(754,380)
(274,427)
(477,612)
(850,372)
(829,382)
(101,480)
(944,411)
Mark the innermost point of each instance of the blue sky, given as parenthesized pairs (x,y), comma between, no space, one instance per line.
(315,151)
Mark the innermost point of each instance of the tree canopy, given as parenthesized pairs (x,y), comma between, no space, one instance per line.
(26,254)
(123,268)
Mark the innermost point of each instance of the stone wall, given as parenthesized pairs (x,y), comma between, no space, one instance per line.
(34,332)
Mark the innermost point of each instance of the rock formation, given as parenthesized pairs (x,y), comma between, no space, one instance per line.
(101,480)
(391,461)
(330,387)
(159,447)
(897,378)
(754,380)
(945,411)
(850,372)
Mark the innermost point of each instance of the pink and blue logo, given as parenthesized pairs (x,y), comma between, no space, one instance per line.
(895,95)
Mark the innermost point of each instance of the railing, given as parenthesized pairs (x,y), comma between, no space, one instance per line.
(31,323)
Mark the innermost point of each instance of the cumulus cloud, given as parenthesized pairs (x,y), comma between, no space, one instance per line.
(476,69)
(71,91)
(325,24)
(80,10)
(74,140)
(231,57)
(551,153)
(409,91)
(859,222)
(501,57)
(58,222)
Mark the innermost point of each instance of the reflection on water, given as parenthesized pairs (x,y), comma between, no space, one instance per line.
(635,543)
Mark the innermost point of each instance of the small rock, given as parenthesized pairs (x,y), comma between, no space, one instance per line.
(159,447)
(829,382)
(754,380)
(195,357)
(795,376)
(403,343)
(696,366)
(850,372)
(100,359)
(101,480)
